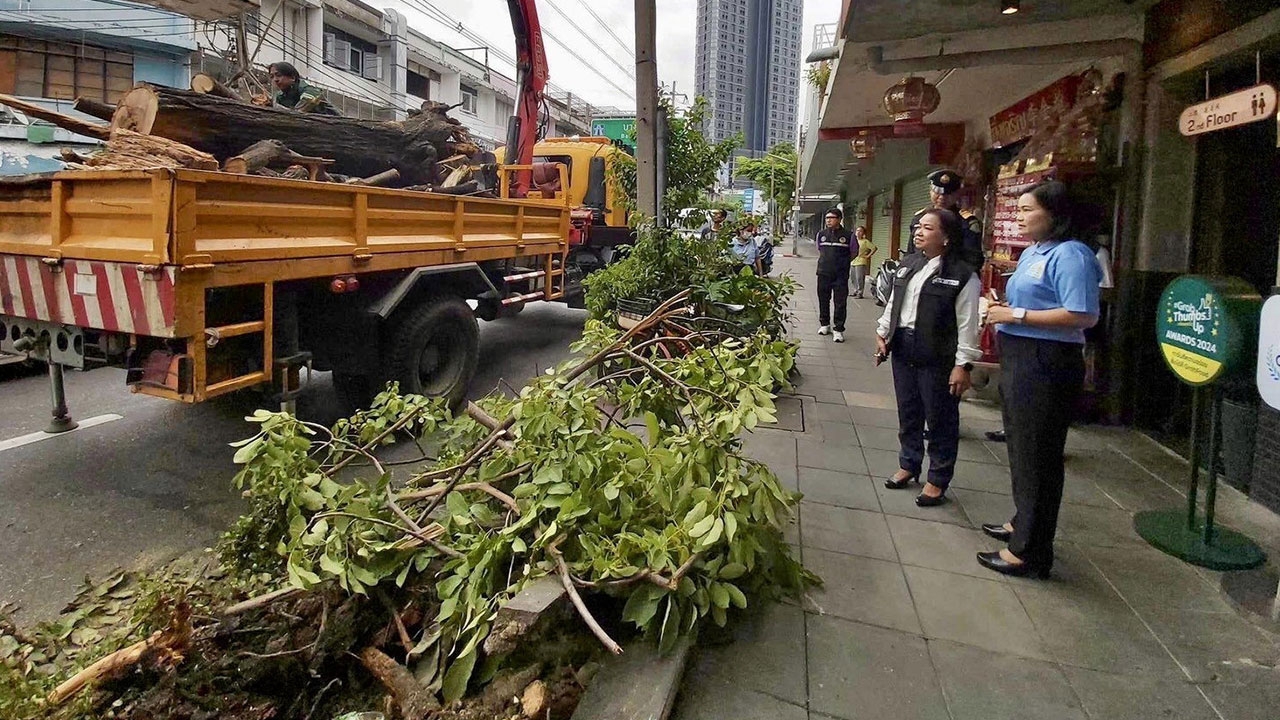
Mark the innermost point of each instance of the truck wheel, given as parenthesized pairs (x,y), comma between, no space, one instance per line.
(434,349)
(355,392)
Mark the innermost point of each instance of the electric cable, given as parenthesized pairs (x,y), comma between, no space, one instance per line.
(629,72)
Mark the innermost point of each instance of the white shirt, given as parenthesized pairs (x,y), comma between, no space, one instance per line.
(967,320)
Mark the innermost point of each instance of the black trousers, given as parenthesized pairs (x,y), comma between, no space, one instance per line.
(1040,382)
(833,290)
(924,396)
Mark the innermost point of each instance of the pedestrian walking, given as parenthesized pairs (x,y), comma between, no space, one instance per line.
(1051,299)
(862,261)
(836,248)
(930,329)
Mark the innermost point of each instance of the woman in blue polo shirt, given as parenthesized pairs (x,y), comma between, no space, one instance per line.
(1052,298)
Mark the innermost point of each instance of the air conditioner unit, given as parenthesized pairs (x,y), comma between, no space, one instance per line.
(372,69)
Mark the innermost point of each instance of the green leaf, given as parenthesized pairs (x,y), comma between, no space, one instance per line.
(670,627)
(642,605)
(457,676)
(730,525)
(739,600)
(703,526)
(719,595)
(732,571)
(651,425)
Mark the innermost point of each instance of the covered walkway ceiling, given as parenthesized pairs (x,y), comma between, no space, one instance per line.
(885,20)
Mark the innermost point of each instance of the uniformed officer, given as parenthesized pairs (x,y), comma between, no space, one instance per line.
(943,188)
(836,248)
(294,92)
(930,328)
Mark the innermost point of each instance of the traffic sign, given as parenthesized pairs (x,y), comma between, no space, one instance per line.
(1238,108)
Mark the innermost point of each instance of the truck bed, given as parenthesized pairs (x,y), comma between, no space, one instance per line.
(195,218)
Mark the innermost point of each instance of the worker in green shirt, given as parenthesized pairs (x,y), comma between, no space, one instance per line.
(294,92)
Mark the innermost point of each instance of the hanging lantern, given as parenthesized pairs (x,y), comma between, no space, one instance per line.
(863,145)
(910,100)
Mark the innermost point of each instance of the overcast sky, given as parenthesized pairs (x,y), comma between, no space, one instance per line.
(582,75)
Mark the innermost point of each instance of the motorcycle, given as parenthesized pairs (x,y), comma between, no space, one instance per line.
(883,284)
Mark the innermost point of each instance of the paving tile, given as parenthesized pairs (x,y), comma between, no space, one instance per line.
(765,654)
(829,413)
(837,488)
(853,362)
(857,672)
(1242,690)
(829,397)
(873,417)
(815,368)
(878,401)
(1147,578)
(878,438)
(812,382)
(1087,492)
(985,477)
(984,685)
(1136,494)
(716,701)
(1224,633)
(1107,695)
(831,456)
(982,507)
(1099,527)
(858,379)
(854,532)
(881,463)
(861,589)
(1084,623)
(837,432)
(903,502)
(770,447)
(984,613)
(941,546)
(975,451)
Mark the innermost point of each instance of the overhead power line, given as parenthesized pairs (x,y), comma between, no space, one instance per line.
(630,51)
(629,72)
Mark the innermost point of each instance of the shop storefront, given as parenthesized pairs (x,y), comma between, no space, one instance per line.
(1210,206)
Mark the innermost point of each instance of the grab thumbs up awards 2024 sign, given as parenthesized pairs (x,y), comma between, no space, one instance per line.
(1206,326)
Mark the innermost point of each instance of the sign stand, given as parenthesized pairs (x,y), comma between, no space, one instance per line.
(1203,325)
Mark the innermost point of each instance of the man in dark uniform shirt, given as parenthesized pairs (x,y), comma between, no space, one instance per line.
(294,92)
(836,248)
(943,188)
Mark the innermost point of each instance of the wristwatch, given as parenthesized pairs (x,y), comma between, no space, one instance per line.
(1019,315)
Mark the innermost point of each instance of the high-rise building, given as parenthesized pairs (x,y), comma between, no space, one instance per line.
(748,68)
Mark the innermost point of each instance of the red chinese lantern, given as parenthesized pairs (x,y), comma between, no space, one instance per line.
(910,99)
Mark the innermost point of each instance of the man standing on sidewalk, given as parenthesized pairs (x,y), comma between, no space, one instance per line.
(836,248)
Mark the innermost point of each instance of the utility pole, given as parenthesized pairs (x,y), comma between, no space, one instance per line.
(646,107)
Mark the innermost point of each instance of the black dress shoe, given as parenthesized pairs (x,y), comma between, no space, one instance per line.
(902,484)
(923,500)
(996,435)
(997,531)
(993,561)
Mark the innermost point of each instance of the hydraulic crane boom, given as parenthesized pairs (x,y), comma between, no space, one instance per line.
(531,79)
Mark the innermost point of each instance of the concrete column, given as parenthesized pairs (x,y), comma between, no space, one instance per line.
(313,38)
(394,53)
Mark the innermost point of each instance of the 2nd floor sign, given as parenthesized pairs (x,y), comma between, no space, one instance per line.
(1239,108)
(1206,326)
(1268,372)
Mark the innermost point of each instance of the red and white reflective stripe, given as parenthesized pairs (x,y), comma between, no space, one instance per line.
(88,294)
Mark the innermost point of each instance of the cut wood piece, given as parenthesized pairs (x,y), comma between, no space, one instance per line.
(266,153)
(76,125)
(100,110)
(541,599)
(412,698)
(72,156)
(128,150)
(360,148)
(209,85)
(382,179)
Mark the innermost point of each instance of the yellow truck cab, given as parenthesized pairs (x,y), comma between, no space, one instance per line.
(599,218)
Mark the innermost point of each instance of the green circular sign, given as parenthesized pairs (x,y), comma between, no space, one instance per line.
(1206,327)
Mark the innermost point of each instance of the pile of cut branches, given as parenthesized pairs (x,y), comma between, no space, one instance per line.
(620,476)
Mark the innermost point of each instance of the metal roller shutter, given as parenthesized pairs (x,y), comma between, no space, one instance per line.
(915,195)
(881,222)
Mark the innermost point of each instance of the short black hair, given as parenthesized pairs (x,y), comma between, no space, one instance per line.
(835,211)
(1059,202)
(721,212)
(285,69)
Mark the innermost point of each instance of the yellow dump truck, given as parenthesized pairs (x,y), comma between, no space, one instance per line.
(203,283)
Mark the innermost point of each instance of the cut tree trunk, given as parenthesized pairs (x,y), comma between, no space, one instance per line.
(383,179)
(268,152)
(76,125)
(100,110)
(225,128)
(128,150)
(209,85)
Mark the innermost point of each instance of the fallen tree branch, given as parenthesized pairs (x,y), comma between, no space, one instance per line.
(412,698)
(567,580)
(484,487)
(260,601)
(66,122)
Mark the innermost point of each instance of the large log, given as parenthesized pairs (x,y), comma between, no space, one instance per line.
(224,128)
(209,85)
(100,110)
(264,153)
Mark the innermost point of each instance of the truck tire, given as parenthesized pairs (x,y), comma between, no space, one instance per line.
(434,348)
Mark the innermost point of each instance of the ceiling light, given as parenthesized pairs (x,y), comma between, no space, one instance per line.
(1008,7)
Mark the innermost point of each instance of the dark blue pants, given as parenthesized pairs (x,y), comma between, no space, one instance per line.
(924,396)
(833,290)
(1040,382)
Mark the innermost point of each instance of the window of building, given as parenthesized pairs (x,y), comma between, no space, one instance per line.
(35,68)
(348,52)
(470,99)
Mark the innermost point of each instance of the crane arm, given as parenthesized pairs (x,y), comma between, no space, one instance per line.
(531,78)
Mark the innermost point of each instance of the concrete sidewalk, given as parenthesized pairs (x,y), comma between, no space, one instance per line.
(908,625)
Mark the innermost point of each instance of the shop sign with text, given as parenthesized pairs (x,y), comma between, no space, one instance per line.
(1203,325)
(1024,117)
(1239,108)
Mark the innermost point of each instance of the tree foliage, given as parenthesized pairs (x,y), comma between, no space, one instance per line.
(775,174)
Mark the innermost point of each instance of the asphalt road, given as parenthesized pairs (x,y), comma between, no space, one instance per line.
(156,482)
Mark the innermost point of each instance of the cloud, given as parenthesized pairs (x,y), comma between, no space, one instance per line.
(584,71)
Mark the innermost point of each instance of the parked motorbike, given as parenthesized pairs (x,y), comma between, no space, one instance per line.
(883,284)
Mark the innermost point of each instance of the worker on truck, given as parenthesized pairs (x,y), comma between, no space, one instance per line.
(294,92)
